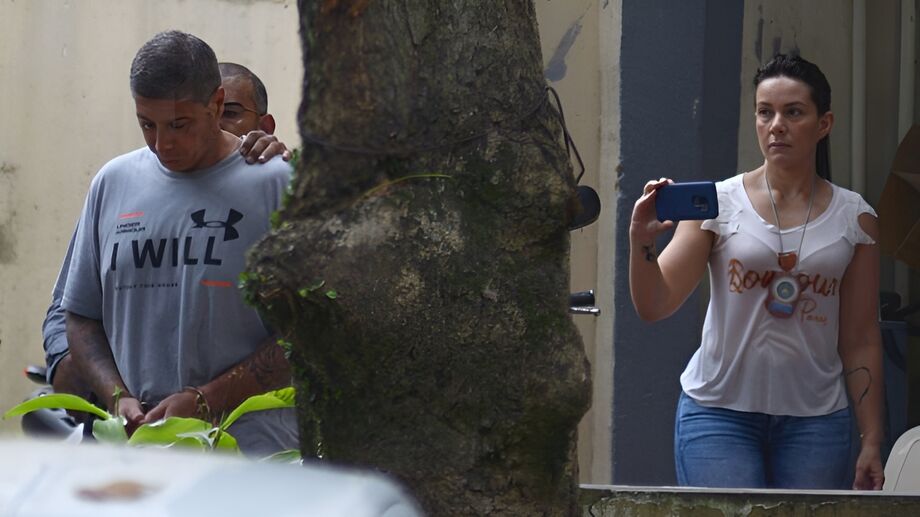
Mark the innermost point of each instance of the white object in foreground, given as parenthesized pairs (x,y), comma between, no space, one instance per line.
(45,479)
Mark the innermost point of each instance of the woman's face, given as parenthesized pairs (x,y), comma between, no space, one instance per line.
(788,124)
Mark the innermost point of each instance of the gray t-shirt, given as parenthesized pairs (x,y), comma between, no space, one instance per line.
(157,258)
(54,331)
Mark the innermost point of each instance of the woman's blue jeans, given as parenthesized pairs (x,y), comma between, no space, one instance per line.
(716,447)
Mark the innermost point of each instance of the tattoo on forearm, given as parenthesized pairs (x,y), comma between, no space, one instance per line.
(651,254)
(268,366)
(93,355)
(868,384)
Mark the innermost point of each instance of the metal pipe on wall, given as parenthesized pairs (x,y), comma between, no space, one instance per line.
(906,88)
(908,55)
(858,101)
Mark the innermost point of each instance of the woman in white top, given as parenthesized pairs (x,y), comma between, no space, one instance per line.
(791,331)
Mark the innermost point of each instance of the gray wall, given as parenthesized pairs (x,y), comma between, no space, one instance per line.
(680,70)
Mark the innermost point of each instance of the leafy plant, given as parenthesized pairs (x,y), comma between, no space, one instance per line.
(173,431)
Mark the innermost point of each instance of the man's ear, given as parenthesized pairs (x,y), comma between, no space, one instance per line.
(267,123)
(217,102)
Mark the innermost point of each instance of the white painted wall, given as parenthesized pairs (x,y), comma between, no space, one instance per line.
(580,43)
(66,109)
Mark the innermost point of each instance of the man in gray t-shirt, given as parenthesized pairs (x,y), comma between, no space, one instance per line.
(151,299)
(245,115)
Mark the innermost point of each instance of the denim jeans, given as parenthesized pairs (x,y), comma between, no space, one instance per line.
(715,447)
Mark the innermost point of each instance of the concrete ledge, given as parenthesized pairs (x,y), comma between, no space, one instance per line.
(633,501)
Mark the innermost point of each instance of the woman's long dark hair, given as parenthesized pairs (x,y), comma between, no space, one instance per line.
(795,67)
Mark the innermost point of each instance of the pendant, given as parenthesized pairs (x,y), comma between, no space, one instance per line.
(787,260)
(783,296)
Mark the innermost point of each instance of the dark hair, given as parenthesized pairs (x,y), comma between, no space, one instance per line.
(175,65)
(259,95)
(794,66)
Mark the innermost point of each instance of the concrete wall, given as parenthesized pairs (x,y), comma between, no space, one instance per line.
(580,43)
(66,109)
(599,501)
(821,30)
(679,73)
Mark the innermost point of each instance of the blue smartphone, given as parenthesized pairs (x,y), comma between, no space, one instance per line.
(690,200)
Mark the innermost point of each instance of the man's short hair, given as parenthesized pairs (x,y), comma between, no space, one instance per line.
(259,94)
(175,65)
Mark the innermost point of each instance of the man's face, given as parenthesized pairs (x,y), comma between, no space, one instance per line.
(184,135)
(240,115)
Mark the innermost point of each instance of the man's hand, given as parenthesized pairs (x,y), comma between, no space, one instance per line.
(130,408)
(183,404)
(259,146)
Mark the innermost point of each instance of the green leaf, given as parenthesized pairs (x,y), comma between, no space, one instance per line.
(110,431)
(288,456)
(331,294)
(226,441)
(190,442)
(57,401)
(303,292)
(169,431)
(277,399)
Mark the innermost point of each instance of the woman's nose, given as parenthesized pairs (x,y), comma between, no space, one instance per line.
(777,125)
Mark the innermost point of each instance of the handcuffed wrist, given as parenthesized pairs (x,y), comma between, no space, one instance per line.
(202,408)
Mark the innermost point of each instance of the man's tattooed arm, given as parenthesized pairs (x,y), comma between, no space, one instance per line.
(92,355)
(650,251)
(264,370)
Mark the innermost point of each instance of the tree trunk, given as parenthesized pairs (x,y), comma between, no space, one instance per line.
(419,272)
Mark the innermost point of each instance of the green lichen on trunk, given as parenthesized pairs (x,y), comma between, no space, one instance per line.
(446,356)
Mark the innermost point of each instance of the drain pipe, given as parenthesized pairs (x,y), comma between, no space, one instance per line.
(908,55)
(906,88)
(858,107)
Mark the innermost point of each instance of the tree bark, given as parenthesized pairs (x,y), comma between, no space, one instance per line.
(419,271)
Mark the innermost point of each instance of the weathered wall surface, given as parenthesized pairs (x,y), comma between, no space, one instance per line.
(580,47)
(598,501)
(66,109)
(821,31)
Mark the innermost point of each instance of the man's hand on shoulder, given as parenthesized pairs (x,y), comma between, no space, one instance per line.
(259,146)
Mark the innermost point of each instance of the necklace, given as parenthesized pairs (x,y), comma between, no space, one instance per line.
(788,259)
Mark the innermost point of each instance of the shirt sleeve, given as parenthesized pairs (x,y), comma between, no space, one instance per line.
(856,206)
(54,330)
(725,224)
(83,288)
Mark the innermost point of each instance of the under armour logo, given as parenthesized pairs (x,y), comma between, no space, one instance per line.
(230,232)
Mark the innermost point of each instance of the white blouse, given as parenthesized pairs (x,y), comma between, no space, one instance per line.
(768,347)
